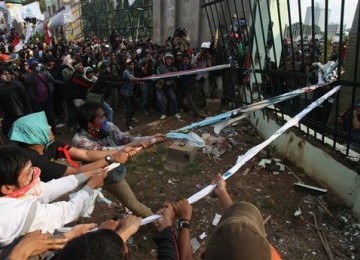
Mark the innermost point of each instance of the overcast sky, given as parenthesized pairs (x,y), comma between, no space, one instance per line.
(334,6)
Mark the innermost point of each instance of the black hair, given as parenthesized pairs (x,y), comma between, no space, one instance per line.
(101,244)
(86,113)
(12,161)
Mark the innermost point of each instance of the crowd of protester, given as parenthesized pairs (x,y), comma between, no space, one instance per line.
(60,78)
(46,184)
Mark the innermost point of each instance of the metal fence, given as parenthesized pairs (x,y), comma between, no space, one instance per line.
(100,18)
(273,46)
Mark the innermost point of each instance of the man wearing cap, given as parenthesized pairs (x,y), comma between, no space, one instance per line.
(240,233)
(165,88)
(203,60)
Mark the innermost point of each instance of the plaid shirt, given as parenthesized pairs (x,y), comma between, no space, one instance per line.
(115,141)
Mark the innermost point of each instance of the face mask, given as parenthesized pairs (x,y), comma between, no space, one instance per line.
(100,131)
(32,189)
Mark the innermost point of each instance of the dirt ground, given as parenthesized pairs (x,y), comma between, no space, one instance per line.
(269,189)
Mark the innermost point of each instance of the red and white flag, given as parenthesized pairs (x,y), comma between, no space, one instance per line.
(17,44)
(47,35)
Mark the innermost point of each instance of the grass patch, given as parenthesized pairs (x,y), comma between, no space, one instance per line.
(193,168)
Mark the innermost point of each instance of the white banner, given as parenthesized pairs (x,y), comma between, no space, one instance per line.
(15,12)
(6,10)
(32,11)
(61,18)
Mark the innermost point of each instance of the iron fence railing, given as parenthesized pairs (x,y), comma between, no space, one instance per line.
(100,18)
(280,42)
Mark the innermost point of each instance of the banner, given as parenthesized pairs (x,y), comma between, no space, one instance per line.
(32,11)
(15,12)
(4,8)
(62,17)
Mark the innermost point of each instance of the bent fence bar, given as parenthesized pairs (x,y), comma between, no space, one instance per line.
(284,42)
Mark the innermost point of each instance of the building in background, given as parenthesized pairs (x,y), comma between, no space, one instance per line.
(333,29)
(65,16)
(319,16)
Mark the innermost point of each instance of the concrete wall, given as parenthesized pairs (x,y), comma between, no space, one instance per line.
(72,31)
(170,14)
(343,181)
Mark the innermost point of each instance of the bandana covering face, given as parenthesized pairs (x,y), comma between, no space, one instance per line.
(32,189)
(100,131)
(31,129)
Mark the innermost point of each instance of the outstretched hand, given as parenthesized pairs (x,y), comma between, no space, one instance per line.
(220,184)
(79,230)
(35,243)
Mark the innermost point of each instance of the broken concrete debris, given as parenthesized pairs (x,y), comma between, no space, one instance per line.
(215,146)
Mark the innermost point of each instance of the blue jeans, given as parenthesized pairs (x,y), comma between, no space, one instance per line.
(108,111)
(169,93)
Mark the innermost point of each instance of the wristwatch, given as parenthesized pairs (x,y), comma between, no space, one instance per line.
(183,223)
(109,159)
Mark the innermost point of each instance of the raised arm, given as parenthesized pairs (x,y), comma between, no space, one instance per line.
(221,192)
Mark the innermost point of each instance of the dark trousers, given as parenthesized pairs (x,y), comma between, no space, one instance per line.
(130,105)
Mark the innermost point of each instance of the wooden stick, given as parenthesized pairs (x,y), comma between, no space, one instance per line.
(267,219)
(323,206)
(323,238)
(293,173)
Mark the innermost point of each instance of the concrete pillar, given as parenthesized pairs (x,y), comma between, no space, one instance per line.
(170,14)
(349,66)
(157,20)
